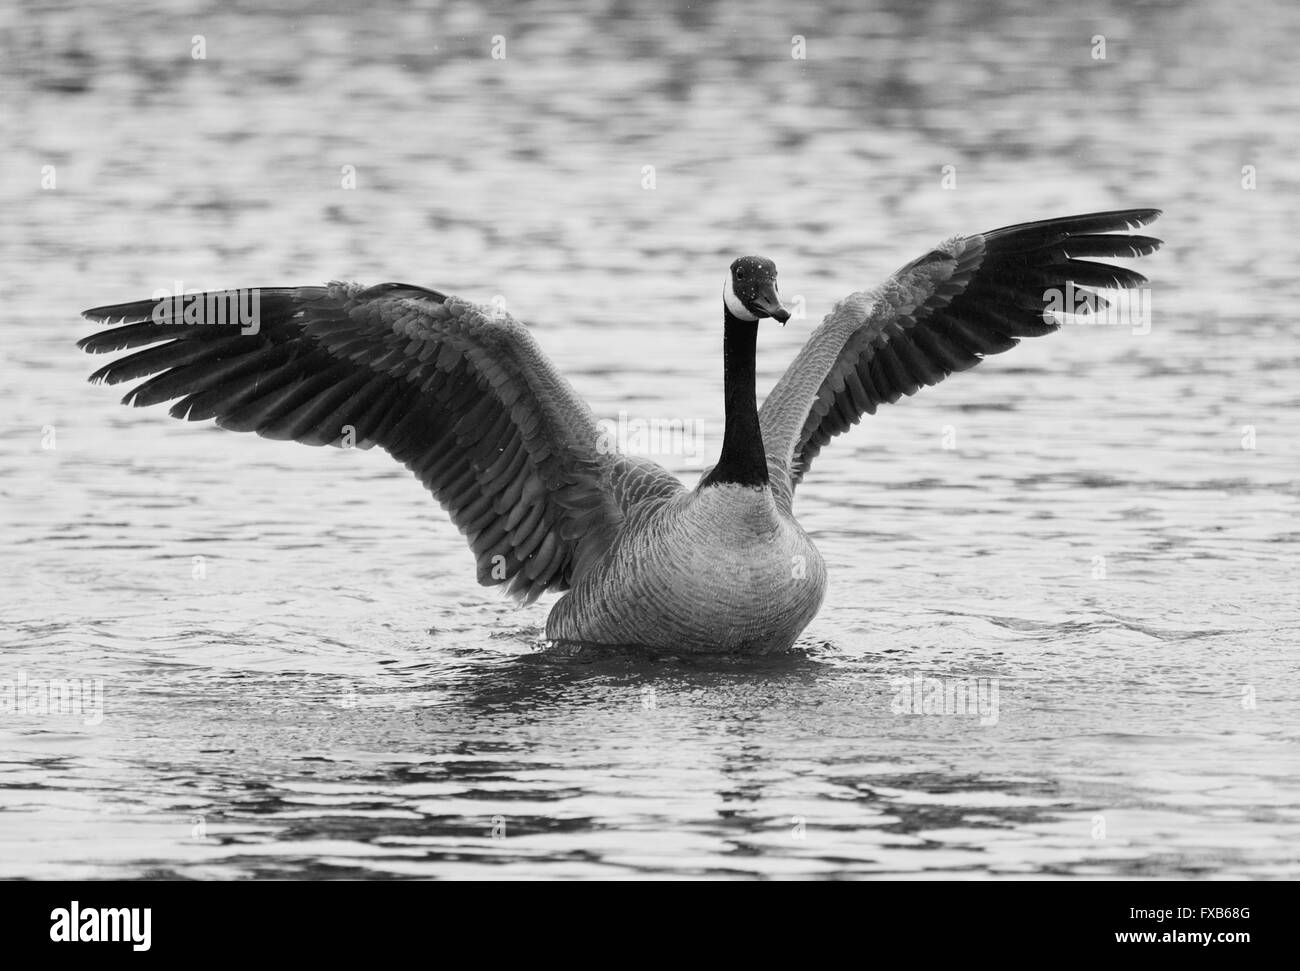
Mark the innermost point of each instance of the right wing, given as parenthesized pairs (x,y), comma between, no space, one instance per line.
(459,393)
(968,297)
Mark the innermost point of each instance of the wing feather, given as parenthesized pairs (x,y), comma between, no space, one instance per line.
(459,393)
(943,312)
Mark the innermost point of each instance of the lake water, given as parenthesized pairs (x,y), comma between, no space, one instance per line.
(299,676)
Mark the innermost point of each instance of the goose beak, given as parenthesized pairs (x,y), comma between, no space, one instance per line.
(769,303)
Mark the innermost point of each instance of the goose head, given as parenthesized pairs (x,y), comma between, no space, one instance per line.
(750,292)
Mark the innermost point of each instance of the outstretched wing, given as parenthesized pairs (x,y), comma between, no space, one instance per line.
(968,297)
(457,392)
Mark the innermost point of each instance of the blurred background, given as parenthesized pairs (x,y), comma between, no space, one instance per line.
(293,648)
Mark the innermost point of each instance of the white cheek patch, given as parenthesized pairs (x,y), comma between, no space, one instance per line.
(733,303)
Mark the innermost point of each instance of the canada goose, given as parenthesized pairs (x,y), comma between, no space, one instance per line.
(463,396)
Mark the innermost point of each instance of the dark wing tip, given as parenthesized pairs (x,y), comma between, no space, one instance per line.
(1110,221)
(1137,217)
(1069,239)
(133,312)
(1122,218)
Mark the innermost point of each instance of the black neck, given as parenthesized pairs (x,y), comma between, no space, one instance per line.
(743,460)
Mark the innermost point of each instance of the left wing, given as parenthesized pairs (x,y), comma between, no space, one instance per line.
(459,393)
(968,297)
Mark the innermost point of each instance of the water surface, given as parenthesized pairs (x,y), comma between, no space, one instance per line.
(300,677)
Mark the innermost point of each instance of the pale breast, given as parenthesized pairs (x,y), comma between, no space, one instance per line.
(721,570)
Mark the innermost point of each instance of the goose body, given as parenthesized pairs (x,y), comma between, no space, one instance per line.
(463,396)
(690,574)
